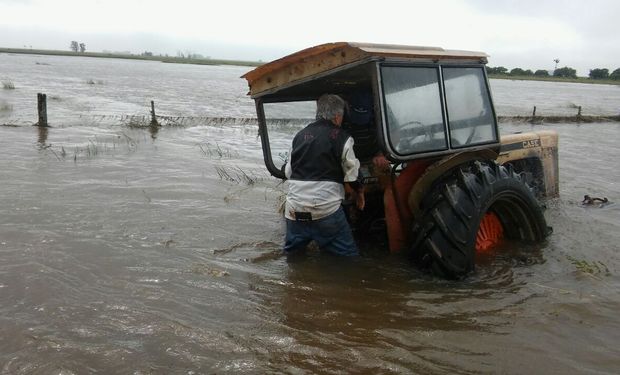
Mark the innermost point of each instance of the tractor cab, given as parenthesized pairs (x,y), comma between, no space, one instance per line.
(403,102)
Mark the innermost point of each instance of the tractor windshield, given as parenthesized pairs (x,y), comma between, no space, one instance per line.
(436,108)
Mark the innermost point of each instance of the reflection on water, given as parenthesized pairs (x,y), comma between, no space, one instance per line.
(42,140)
(153,130)
(132,256)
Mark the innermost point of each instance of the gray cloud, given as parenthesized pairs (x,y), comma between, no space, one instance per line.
(13,2)
(597,18)
(594,23)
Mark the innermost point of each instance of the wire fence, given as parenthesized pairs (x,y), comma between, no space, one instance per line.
(152,119)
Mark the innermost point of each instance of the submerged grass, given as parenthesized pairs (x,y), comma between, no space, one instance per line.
(94,147)
(5,107)
(143,121)
(215,151)
(98,146)
(593,268)
(237,175)
(8,85)
(91,81)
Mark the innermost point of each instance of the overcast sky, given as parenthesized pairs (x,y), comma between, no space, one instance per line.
(526,33)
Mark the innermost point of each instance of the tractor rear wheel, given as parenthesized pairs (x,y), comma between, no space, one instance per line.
(471,210)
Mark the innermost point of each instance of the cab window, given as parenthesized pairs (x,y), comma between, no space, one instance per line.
(283,121)
(470,116)
(413,109)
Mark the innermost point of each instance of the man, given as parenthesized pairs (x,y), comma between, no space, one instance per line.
(321,165)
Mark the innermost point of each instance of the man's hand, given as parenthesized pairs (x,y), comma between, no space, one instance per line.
(357,195)
(381,163)
(360,199)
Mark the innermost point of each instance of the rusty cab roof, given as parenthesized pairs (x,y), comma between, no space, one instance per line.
(320,60)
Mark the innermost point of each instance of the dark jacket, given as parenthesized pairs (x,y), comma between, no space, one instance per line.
(317,152)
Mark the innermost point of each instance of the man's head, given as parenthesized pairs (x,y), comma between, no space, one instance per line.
(330,107)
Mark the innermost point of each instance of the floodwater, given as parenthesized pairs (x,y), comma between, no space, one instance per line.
(135,252)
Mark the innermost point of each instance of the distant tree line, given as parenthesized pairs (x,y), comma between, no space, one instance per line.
(565,72)
(604,74)
(77,47)
(191,55)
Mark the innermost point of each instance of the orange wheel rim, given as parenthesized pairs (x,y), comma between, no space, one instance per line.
(490,232)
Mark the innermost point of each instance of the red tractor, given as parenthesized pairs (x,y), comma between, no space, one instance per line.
(454,188)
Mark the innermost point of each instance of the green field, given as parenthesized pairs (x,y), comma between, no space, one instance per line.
(166,59)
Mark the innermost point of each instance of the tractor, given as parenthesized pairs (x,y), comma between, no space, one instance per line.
(452,189)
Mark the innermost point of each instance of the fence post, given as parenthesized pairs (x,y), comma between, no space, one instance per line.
(153,117)
(42,109)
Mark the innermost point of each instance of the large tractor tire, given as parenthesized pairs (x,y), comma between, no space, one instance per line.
(470,210)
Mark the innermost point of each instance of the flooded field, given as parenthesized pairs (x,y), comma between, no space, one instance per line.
(129,251)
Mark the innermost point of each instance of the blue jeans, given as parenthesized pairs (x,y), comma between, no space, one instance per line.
(331,233)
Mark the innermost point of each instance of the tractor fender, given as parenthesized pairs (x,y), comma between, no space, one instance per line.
(536,155)
(439,168)
(402,196)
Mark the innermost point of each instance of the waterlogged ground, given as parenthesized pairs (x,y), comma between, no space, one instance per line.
(130,251)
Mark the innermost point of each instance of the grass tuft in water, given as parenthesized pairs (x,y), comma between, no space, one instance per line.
(94,147)
(8,85)
(215,151)
(91,81)
(237,175)
(5,107)
(594,267)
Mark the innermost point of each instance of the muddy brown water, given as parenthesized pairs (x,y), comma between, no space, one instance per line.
(126,251)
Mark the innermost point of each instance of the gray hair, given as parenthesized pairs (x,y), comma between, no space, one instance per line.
(329,106)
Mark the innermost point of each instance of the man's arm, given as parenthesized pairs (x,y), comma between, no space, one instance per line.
(351,167)
(287,167)
(350,164)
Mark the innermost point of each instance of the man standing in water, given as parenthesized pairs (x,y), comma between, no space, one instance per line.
(321,165)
